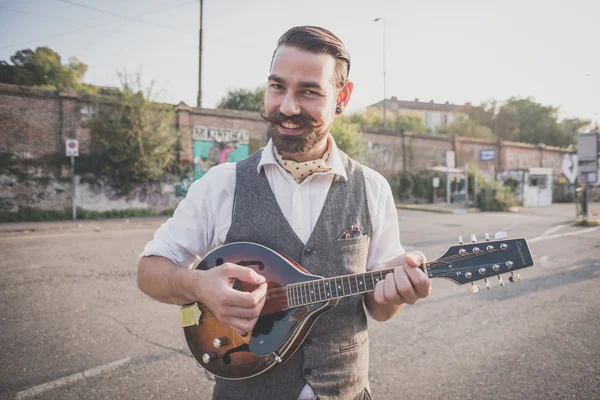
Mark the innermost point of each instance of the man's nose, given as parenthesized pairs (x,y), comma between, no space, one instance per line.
(289,105)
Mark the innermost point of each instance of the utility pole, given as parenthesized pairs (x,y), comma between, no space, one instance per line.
(199,101)
(384,94)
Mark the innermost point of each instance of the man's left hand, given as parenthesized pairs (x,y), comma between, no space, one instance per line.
(406,284)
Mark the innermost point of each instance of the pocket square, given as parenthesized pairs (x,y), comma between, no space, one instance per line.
(350,233)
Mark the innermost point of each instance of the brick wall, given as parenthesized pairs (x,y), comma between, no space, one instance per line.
(34,124)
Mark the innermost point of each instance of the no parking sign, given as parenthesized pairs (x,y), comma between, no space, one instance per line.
(72,147)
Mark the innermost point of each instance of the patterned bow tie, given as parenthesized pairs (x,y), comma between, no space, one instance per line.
(302,170)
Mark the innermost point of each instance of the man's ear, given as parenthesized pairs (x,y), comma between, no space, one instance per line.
(345,94)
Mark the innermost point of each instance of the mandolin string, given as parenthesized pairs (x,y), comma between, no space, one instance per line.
(208,315)
(429,265)
(278,292)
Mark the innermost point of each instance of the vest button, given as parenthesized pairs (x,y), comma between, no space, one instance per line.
(308,341)
(308,252)
(307,371)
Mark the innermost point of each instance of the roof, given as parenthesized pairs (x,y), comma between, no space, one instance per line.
(395,104)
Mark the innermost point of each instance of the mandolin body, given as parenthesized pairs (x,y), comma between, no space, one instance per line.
(279,331)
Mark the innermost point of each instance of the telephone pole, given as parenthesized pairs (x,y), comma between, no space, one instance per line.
(199,101)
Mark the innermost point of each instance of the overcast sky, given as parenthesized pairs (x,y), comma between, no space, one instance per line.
(441,50)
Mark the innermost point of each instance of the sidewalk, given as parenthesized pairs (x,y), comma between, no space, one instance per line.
(439,208)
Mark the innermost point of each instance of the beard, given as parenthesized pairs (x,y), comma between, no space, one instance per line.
(300,143)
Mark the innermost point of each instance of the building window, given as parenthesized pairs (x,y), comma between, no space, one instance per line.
(444,119)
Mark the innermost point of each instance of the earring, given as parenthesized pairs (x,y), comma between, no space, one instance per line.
(338,110)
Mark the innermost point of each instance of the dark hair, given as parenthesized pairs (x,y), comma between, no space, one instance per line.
(319,40)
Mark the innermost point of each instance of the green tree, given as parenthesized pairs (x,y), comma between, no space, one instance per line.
(132,138)
(43,68)
(469,128)
(348,136)
(409,122)
(243,99)
(525,120)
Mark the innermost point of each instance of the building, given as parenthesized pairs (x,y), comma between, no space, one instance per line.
(434,115)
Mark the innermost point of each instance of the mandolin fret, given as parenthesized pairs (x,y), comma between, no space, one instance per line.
(335,288)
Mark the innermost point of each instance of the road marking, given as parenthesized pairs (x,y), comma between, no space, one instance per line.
(555,228)
(559,235)
(88,373)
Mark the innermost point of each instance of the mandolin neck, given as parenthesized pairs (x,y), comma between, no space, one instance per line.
(319,290)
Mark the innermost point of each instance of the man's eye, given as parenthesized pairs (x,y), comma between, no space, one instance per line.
(276,86)
(310,92)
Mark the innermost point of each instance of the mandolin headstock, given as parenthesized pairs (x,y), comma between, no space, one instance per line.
(470,262)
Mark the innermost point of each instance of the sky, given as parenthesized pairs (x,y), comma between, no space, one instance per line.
(457,51)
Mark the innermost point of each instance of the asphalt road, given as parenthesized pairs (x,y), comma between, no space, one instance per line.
(73,324)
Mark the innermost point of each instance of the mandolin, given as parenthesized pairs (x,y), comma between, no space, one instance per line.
(296,298)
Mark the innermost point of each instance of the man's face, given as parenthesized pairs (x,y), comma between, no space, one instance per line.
(300,99)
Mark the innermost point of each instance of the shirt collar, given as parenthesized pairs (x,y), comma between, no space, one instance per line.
(334,161)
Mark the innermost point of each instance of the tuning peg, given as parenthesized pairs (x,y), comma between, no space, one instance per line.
(487,283)
(514,278)
(460,241)
(500,280)
(500,235)
(473,238)
(474,288)
(487,237)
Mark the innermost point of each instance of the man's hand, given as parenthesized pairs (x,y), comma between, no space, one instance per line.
(406,284)
(236,309)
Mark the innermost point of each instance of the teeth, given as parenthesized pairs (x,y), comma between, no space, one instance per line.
(289,125)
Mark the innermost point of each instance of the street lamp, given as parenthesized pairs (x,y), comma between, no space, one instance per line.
(384,95)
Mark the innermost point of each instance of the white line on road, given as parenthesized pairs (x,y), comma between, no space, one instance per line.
(88,373)
(548,237)
(554,229)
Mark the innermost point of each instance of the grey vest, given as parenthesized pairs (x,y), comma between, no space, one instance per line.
(334,359)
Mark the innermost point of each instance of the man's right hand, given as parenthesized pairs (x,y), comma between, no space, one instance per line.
(236,309)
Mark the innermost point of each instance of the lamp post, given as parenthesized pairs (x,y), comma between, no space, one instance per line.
(199,100)
(384,95)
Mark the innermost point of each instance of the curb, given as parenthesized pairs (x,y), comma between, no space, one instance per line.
(417,207)
(588,222)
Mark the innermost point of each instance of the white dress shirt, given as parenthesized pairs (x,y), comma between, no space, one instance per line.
(202,220)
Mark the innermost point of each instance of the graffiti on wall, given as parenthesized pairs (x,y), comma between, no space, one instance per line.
(213,146)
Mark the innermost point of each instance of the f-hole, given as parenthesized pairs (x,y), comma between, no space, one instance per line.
(260,264)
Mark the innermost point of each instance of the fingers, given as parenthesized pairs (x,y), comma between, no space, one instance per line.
(247,299)
(420,282)
(415,259)
(244,274)
(390,291)
(241,312)
(404,285)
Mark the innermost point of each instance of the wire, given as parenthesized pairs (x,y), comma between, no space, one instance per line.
(126,17)
(85,28)
(40,16)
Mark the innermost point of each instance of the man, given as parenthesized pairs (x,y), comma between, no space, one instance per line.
(302,197)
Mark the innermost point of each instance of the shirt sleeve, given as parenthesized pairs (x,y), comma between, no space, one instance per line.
(189,234)
(385,240)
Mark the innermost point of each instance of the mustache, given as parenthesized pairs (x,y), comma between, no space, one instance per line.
(304,121)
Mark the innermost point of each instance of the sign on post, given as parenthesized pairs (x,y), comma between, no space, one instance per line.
(72,150)
(587,154)
(487,154)
(436,182)
(72,147)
